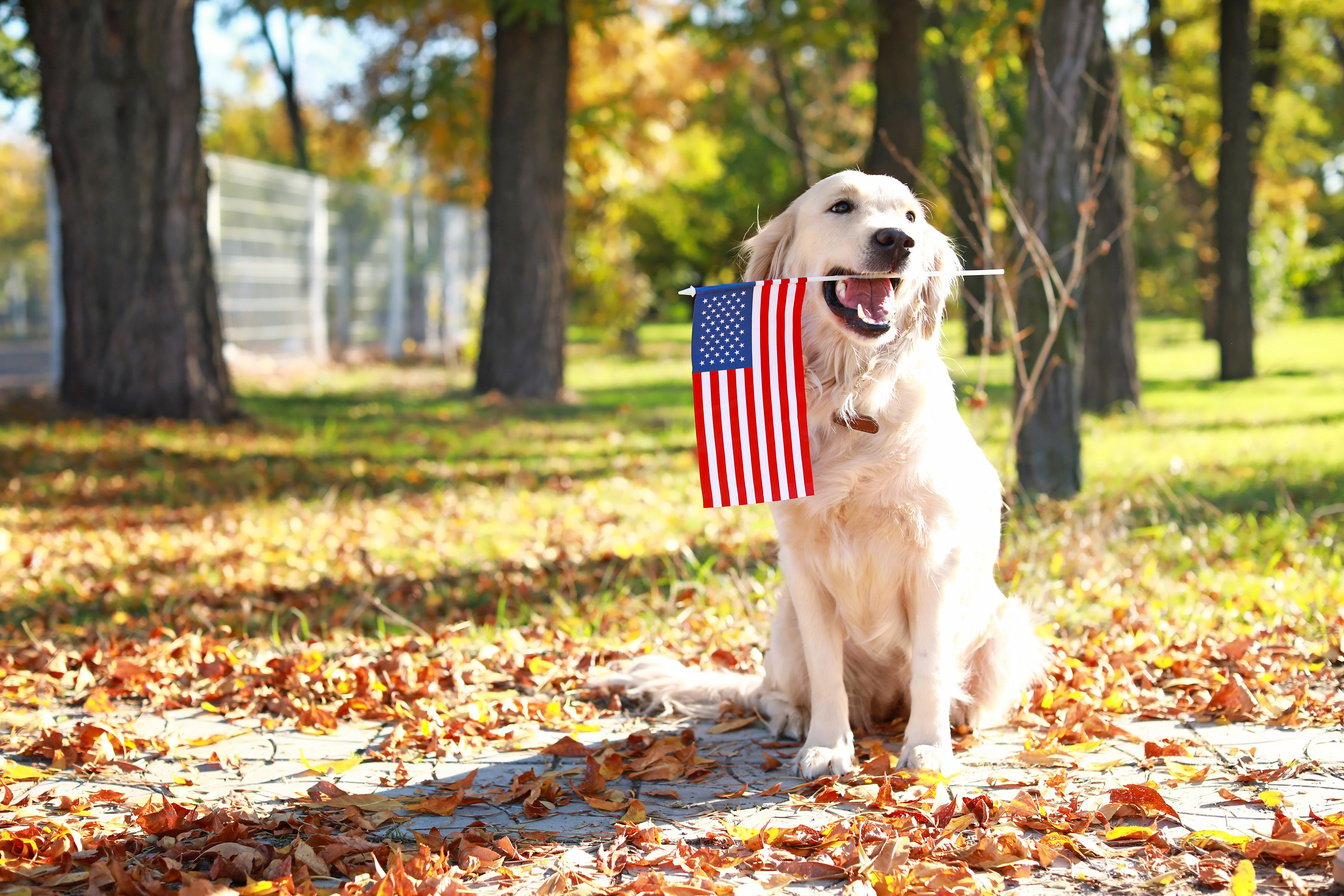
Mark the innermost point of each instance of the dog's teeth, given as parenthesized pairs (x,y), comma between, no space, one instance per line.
(864,316)
(840,289)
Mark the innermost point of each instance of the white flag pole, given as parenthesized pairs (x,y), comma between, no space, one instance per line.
(986,272)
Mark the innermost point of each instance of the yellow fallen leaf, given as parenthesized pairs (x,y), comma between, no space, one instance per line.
(1214,840)
(732,725)
(1186,772)
(13,771)
(1271,798)
(331,768)
(635,813)
(1130,832)
(1243,879)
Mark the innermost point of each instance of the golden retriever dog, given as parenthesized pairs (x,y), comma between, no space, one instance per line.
(889,606)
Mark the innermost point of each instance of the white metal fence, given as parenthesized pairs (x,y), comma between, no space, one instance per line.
(307,267)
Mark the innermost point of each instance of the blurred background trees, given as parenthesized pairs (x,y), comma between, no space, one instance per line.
(689,122)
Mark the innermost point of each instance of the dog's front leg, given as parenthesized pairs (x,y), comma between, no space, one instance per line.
(829,748)
(933,673)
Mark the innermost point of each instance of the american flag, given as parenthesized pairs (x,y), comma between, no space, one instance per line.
(750,403)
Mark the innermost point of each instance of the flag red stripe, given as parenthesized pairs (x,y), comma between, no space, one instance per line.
(769,388)
(697,382)
(789,480)
(805,447)
(736,470)
(753,439)
(720,447)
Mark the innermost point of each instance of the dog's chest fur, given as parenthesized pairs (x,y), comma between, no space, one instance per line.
(878,501)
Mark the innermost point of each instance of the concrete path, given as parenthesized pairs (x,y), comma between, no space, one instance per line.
(735,781)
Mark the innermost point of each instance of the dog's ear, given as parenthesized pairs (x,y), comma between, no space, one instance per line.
(935,291)
(768,251)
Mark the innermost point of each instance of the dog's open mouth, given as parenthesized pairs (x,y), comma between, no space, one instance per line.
(865,305)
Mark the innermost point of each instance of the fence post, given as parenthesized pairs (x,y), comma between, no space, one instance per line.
(454,281)
(345,289)
(55,286)
(319,238)
(396,290)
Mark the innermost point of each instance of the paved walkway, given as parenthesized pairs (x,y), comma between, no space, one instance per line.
(725,780)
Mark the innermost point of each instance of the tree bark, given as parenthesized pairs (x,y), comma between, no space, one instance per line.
(1110,294)
(969,189)
(1051,179)
(1236,327)
(526,303)
(120,100)
(898,128)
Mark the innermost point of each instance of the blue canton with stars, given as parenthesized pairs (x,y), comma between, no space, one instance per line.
(722,329)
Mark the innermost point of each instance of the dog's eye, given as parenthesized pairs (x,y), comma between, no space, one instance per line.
(910,216)
(843,207)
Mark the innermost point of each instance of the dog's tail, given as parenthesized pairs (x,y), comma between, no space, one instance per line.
(667,685)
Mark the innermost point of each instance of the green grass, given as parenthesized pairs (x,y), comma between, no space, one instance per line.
(376,498)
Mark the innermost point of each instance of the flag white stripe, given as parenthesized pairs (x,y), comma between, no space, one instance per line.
(743,440)
(789,331)
(757,361)
(726,427)
(778,384)
(711,428)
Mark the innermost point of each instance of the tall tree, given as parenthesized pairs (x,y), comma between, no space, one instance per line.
(1236,183)
(969,183)
(1051,192)
(1110,291)
(898,128)
(284,64)
(120,99)
(526,300)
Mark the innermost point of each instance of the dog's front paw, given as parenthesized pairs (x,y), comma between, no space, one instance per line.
(928,757)
(815,760)
(781,716)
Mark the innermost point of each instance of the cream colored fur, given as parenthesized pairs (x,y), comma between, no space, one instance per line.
(890,605)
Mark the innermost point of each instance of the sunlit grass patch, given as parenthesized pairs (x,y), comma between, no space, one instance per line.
(380,498)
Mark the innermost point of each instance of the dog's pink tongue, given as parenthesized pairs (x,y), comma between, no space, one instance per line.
(874,294)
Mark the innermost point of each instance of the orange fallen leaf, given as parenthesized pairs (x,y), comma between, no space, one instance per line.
(728,725)
(1144,797)
(566,747)
(99,702)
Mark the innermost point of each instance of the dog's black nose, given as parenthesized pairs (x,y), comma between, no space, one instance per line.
(892,238)
(891,247)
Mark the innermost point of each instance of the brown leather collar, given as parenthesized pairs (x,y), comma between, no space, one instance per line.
(859,423)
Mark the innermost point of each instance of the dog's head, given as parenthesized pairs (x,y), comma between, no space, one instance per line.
(853,223)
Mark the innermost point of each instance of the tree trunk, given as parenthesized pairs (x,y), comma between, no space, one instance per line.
(293,112)
(969,188)
(523,334)
(793,120)
(1110,295)
(898,128)
(1236,328)
(1051,178)
(120,101)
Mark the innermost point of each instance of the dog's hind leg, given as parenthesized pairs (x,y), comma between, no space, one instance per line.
(782,699)
(1008,660)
